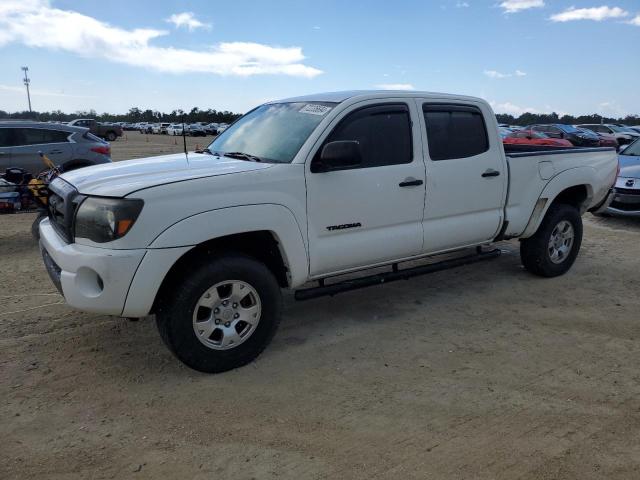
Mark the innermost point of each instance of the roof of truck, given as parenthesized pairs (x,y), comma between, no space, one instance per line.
(338,97)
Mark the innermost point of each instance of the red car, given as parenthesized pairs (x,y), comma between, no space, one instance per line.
(531,137)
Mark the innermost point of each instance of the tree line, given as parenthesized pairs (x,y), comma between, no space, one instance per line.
(531,118)
(134,115)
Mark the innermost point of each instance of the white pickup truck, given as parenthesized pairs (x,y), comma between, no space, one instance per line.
(303,190)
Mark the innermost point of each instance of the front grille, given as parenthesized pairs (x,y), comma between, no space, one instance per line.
(628,191)
(62,208)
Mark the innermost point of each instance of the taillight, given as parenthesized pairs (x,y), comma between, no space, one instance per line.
(104,150)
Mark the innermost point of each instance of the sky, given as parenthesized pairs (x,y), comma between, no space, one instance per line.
(575,56)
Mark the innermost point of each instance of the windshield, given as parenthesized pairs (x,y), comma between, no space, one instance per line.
(274,132)
(567,128)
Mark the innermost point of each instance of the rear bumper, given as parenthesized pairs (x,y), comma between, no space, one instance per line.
(604,205)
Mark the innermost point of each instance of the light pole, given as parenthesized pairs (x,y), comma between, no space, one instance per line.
(26,84)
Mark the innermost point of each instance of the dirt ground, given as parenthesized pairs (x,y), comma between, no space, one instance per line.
(483,372)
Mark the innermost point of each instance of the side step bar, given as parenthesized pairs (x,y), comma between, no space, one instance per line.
(395,274)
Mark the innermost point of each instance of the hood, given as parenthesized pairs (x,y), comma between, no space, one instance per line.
(121,178)
(629,166)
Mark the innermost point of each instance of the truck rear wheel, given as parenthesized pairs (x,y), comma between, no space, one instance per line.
(111,136)
(552,250)
(222,315)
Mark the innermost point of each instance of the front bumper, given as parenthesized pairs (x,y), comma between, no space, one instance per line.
(625,202)
(91,279)
(103,280)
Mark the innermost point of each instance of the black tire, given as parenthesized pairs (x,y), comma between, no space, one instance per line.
(111,136)
(35,226)
(535,250)
(174,317)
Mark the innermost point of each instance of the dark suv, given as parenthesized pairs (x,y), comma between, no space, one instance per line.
(68,147)
(579,138)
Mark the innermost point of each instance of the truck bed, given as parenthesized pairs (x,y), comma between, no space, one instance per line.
(534,168)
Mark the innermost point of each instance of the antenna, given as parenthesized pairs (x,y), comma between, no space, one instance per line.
(184,140)
(27,80)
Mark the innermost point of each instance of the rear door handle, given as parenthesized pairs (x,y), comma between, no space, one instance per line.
(491,173)
(410,182)
(55,152)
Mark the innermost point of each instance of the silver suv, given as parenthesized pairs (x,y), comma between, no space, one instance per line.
(68,147)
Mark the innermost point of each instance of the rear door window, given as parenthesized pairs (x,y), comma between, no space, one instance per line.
(39,136)
(455,131)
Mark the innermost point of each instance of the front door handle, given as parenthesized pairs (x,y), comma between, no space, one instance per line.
(490,173)
(55,152)
(410,182)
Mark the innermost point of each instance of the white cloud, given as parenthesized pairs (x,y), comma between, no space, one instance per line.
(395,86)
(188,20)
(596,13)
(497,75)
(462,5)
(88,37)
(41,93)
(515,6)
(635,21)
(511,109)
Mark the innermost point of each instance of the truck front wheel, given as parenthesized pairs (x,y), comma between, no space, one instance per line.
(552,250)
(222,315)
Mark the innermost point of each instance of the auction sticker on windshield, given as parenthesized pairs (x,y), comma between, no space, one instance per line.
(314,109)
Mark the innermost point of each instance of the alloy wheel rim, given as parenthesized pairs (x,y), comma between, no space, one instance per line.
(227,314)
(561,241)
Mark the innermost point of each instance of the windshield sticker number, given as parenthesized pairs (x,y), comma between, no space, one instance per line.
(313,109)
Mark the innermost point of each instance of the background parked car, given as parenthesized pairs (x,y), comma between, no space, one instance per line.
(623,135)
(627,189)
(67,146)
(221,128)
(212,128)
(531,137)
(145,128)
(160,128)
(175,129)
(579,138)
(196,130)
(110,131)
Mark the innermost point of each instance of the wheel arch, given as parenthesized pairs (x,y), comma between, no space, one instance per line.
(275,239)
(573,187)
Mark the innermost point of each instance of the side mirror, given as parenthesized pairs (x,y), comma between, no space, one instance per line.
(339,155)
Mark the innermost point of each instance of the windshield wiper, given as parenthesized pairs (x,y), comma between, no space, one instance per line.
(204,150)
(242,156)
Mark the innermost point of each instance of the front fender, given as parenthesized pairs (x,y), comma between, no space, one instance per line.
(213,224)
(573,177)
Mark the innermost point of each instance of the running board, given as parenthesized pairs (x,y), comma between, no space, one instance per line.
(395,274)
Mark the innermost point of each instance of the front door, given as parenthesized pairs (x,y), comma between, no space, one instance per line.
(372,213)
(466,176)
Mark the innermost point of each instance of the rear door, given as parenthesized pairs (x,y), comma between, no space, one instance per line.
(370,214)
(466,175)
(30,141)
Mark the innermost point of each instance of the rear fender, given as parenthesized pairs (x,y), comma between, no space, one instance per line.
(569,178)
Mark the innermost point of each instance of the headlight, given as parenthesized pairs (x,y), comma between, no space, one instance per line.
(105,219)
